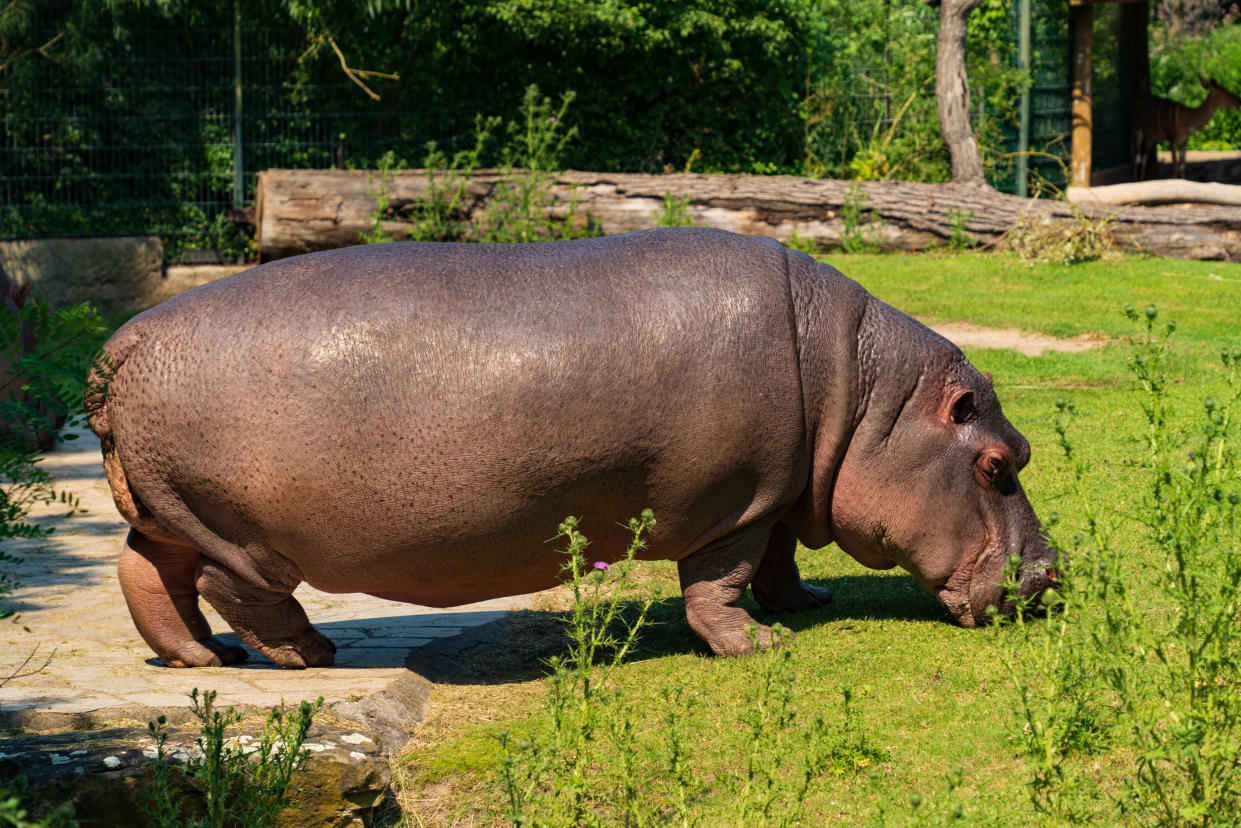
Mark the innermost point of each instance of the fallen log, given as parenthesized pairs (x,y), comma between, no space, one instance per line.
(1160,191)
(303,210)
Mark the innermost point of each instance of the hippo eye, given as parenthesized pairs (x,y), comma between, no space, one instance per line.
(992,466)
(963,408)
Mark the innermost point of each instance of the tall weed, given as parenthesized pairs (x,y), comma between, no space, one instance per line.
(519,207)
(856,236)
(594,767)
(1103,657)
(241,782)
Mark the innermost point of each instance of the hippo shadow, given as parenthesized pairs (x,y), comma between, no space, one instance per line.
(517,647)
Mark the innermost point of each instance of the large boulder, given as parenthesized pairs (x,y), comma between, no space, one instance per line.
(123,272)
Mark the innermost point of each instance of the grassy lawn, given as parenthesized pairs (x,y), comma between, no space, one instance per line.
(932,703)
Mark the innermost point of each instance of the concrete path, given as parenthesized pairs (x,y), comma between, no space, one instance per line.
(98,667)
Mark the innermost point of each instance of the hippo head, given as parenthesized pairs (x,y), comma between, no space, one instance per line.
(929,481)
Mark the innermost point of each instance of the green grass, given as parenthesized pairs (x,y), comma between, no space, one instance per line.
(933,696)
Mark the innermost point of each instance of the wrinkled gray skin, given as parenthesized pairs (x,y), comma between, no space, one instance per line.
(413,420)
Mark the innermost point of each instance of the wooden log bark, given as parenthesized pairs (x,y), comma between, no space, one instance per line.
(304,210)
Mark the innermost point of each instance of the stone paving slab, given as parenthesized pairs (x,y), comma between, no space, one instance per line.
(98,668)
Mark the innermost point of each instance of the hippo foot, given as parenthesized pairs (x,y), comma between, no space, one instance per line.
(208,652)
(307,649)
(730,631)
(796,597)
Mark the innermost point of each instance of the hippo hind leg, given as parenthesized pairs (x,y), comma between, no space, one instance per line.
(157,579)
(271,622)
(713,580)
(777,585)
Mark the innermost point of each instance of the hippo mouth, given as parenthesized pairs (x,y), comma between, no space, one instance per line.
(974,590)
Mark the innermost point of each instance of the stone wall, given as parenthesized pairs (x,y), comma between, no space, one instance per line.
(123,272)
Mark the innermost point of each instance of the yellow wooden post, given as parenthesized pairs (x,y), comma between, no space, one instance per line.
(1083,123)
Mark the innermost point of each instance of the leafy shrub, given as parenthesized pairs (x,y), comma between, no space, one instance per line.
(675,212)
(14,815)
(856,236)
(521,207)
(43,386)
(240,784)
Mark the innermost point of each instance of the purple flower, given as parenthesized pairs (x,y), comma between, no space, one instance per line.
(602,565)
(552,120)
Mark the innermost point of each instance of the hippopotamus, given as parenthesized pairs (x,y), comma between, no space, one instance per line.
(413,420)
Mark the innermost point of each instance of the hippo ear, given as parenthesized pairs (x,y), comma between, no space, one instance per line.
(960,408)
(987,376)
(19,295)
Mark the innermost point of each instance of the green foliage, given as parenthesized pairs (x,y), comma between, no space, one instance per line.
(106,138)
(958,237)
(443,215)
(381,192)
(522,207)
(675,212)
(805,244)
(594,767)
(241,783)
(519,210)
(14,815)
(42,391)
(1107,653)
(547,780)
(856,237)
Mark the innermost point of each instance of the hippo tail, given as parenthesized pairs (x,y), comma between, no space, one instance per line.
(96,399)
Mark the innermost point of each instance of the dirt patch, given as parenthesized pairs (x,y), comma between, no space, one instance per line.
(1030,344)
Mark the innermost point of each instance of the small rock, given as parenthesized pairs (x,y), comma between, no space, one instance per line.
(353,754)
(57,759)
(356,738)
(113,762)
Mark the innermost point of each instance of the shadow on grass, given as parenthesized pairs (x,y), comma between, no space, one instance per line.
(516,648)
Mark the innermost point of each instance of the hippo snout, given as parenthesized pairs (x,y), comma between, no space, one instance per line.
(1036,575)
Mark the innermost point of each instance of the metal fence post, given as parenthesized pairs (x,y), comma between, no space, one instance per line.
(239,181)
(1023,63)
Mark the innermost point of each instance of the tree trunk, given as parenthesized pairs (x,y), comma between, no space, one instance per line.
(952,92)
(304,210)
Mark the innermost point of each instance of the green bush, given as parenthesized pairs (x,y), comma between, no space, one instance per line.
(241,785)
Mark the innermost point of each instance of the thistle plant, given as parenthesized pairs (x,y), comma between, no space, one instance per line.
(1102,655)
(587,715)
(241,781)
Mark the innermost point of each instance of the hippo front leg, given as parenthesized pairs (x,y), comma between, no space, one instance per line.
(713,580)
(271,622)
(777,585)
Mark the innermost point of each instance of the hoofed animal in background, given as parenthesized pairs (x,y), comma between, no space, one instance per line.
(1159,119)
(413,420)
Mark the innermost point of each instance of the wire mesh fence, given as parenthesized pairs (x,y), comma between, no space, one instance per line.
(141,134)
